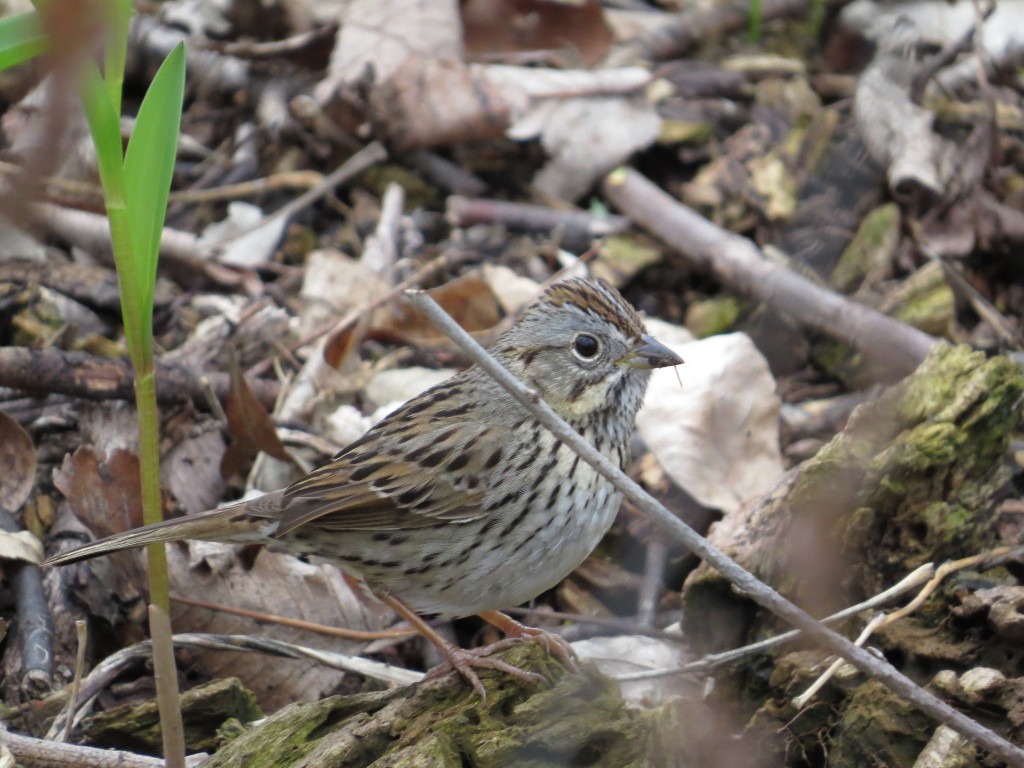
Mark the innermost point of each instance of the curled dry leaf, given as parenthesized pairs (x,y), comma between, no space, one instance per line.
(21,545)
(250,425)
(717,436)
(586,138)
(246,237)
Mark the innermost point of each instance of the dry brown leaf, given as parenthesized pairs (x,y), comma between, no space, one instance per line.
(250,425)
(105,494)
(468,299)
(492,29)
(17,464)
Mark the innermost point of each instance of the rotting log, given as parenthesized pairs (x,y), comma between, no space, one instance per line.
(580,719)
(205,709)
(914,478)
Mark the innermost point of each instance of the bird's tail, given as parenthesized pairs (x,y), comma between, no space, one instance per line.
(243,523)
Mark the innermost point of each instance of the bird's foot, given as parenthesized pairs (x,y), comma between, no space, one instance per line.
(555,645)
(466,662)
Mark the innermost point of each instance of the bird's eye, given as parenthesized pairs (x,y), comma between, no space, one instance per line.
(585,346)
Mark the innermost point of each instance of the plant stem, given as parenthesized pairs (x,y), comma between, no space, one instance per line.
(149,469)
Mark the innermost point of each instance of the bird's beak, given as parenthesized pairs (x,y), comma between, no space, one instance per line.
(649,353)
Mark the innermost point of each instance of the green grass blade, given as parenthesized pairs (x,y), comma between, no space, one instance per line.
(21,38)
(119,18)
(149,164)
(105,127)
(754,24)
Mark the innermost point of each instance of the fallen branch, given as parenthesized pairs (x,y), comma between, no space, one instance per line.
(37,753)
(48,371)
(111,667)
(893,349)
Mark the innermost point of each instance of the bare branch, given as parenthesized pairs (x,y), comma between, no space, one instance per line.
(895,348)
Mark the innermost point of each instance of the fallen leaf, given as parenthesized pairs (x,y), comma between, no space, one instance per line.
(22,546)
(493,29)
(105,494)
(17,464)
(250,425)
(245,237)
(468,299)
(271,583)
(717,436)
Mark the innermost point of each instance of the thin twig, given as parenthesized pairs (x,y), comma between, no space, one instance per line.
(448,258)
(366,157)
(884,620)
(82,375)
(742,580)
(713,660)
(82,633)
(308,626)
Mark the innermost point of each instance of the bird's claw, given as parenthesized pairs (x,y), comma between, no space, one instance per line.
(466,662)
(554,644)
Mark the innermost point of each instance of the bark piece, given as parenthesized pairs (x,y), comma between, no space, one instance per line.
(205,708)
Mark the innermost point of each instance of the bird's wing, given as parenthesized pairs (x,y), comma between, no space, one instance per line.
(427,463)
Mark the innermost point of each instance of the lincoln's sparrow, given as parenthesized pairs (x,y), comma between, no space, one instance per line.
(460,502)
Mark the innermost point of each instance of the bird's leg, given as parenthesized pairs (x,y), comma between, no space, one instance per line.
(461,660)
(554,644)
